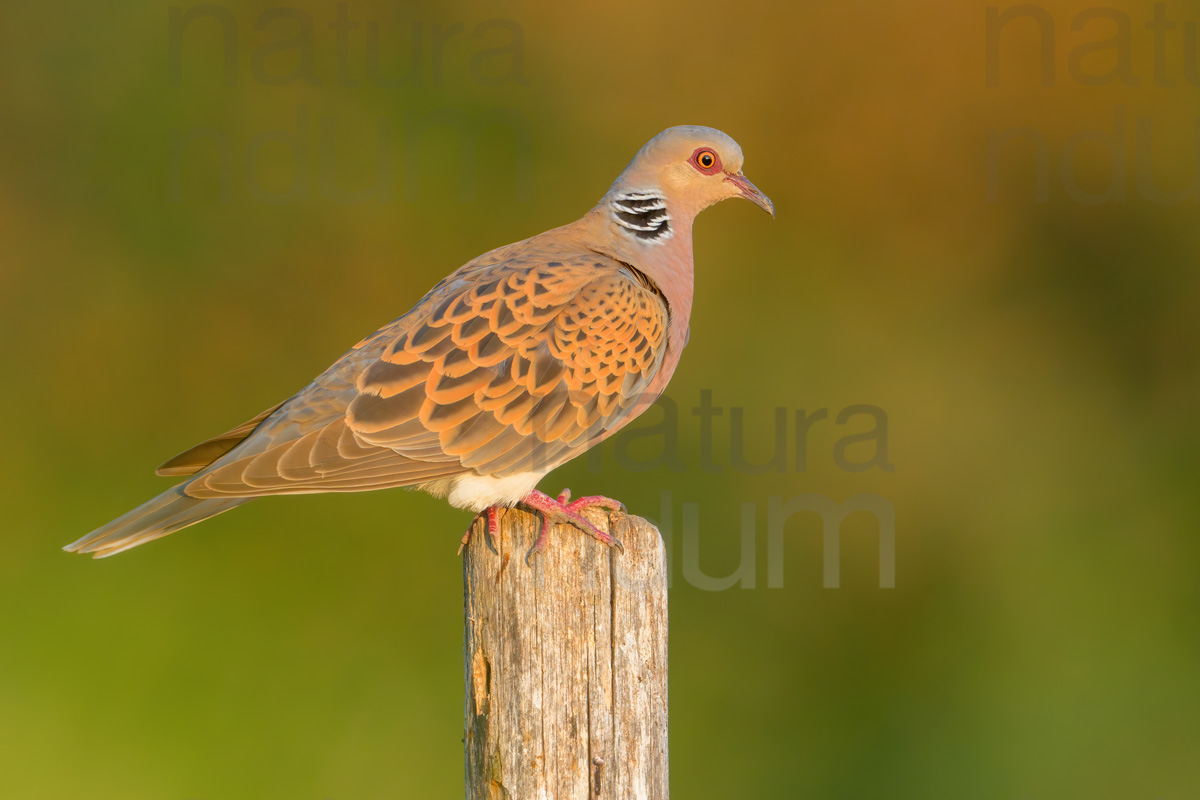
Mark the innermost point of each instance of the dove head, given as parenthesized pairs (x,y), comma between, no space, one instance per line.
(675,176)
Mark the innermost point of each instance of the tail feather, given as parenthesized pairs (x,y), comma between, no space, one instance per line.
(170,511)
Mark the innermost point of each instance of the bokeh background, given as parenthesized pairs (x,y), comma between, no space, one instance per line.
(1035,352)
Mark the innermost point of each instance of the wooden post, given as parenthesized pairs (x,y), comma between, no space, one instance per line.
(566,663)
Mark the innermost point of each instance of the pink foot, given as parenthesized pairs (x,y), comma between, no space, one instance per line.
(493,528)
(563,510)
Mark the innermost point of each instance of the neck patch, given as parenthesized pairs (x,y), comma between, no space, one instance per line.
(644,215)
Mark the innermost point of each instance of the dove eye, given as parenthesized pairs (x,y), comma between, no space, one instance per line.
(706,161)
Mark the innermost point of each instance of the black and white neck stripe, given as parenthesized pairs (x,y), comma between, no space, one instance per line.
(644,215)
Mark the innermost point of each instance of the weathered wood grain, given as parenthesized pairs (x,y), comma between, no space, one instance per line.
(566,663)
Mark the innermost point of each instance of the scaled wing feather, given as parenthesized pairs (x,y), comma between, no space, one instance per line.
(515,363)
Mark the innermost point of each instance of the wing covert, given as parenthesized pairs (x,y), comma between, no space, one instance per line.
(508,370)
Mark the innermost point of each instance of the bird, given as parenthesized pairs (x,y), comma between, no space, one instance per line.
(515,363)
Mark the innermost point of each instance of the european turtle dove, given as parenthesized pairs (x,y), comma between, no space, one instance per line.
(517,362)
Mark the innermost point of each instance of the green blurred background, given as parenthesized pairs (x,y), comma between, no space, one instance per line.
(1037,359)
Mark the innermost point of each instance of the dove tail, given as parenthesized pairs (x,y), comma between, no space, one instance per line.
(167,513)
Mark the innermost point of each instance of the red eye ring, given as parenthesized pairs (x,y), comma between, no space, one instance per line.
(706,160)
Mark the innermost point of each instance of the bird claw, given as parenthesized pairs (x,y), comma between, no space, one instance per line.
(595,501)
(492,530)
(564,511)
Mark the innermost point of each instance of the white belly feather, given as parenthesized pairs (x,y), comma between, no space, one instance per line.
(477,492)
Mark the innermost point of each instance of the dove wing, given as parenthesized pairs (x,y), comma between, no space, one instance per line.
(505,367)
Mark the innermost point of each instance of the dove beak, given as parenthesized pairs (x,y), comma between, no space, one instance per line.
(749,191)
